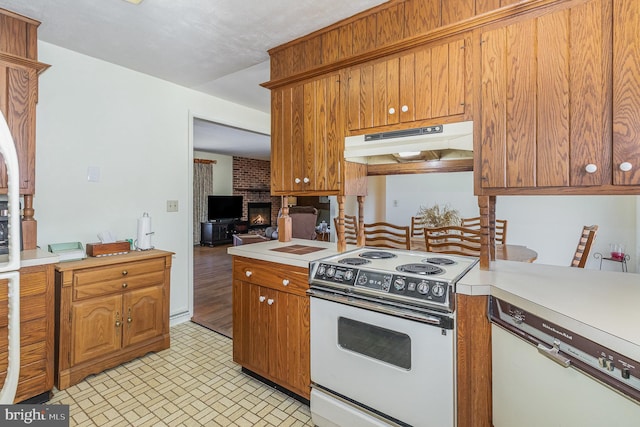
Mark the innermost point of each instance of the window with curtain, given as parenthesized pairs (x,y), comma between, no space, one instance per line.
(202,187)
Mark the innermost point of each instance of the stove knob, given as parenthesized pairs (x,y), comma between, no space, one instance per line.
(437,289)
(362,279)
(331,271)
(399,284)
(321,270)
(348,275)
(423,287)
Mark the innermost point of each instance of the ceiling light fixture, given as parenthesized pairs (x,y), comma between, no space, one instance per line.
(134,1)
(409,153)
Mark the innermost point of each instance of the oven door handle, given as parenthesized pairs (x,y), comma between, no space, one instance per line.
(443,321)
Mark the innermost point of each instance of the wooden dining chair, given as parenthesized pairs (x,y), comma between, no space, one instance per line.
(417,226)
(453,239)
(350,229)
(501,228)
(584,246)
(386,235)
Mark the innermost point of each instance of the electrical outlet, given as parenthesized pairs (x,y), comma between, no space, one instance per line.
(172,206)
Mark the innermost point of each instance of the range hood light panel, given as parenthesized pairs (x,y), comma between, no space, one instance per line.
(134,1)
(409,153)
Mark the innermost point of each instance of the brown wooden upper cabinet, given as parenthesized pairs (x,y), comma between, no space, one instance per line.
(426,83)
(546,90)
(306,137)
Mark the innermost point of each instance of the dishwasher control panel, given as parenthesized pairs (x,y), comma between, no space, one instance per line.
(569,349)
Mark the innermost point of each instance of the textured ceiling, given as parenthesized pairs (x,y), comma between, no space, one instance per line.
(214,46)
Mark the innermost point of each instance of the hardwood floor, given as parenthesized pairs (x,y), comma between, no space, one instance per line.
(212,289)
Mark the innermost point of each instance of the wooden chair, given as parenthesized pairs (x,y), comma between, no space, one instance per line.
(417,226)
(584,246)
(453,239)
(501,228)
(350,229)
(386,235)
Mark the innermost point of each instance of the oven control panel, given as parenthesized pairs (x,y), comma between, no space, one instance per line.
(403,286)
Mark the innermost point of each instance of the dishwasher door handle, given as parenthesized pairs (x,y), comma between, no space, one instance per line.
(554,354)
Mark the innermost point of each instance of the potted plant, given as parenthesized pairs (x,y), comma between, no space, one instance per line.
(439,216)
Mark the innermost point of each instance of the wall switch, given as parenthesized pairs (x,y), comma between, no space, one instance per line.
(93,174)
(172,206)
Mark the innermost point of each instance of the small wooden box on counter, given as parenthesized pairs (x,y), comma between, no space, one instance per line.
(103,249)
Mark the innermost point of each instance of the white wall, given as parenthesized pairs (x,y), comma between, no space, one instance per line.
(222,172)
(138,131)
(551,225)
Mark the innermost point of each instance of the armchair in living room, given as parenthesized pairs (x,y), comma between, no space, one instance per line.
(303,223)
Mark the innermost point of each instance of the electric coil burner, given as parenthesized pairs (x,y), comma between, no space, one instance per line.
(412,279)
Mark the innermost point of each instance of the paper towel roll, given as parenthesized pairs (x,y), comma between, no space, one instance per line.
(144,232)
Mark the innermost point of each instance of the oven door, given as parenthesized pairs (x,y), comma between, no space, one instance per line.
(391,367)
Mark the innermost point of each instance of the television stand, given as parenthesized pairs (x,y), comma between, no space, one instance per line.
(215,233)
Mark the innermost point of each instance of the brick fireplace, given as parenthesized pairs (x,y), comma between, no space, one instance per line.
(252,180)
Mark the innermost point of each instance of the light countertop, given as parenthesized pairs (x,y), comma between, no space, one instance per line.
(603,306)
(33,257)
(265,251)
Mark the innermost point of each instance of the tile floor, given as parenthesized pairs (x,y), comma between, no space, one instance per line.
(193,383)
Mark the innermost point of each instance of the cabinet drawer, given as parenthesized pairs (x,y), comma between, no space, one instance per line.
(120,271)
(281,277)
(127,282)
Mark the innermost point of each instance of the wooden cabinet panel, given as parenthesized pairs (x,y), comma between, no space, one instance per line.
(363,33)
(271,334)
(306,139)
(96,328)
(103,323)
(423,84)
(626,91)
(421,16)
(290,279)
(143,315)
(389,25)
(544,94)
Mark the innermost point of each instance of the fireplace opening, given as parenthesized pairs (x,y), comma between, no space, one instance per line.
(259,214)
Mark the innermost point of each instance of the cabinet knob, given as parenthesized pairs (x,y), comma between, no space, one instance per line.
(124,285)
(392,110)
(591,168)
(270,301)
(262,298)
(125,272)
(129,319)
(248,273)
(306,180)
(285,282)
(297,180)
(405,108)
(118,323)
(626,166)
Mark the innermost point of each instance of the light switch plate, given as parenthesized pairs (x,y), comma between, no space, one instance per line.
(93,174)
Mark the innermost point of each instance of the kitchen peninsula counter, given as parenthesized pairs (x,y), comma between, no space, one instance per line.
(297,252)
(603,306)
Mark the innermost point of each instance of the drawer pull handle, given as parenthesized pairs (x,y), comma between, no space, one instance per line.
(285,282)
(125,272)
(270,301)
(129,319)
(248,273)
(124,285)
(262,298)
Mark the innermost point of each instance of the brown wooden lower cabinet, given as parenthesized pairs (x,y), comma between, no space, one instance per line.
(36,332)
(271,335)
(126,297)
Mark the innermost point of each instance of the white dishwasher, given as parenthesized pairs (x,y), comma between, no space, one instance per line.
(578,383)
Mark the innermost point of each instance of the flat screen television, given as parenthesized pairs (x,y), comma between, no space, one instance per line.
(224,208)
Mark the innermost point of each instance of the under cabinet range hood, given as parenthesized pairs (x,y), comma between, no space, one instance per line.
(436,142)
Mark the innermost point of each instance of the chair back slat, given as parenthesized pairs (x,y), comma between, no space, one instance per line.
(455,240)
(386,235)
(501,228)
(417,226)
(584,246)
(350,229)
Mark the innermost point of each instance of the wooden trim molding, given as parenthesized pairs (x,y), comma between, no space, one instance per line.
(24,62)
(457,165)
(205,161)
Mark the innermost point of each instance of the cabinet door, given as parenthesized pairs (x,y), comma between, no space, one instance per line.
(544,101)
(96,328)
(626,92)
(142,313)
(18,96)
(297,353)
